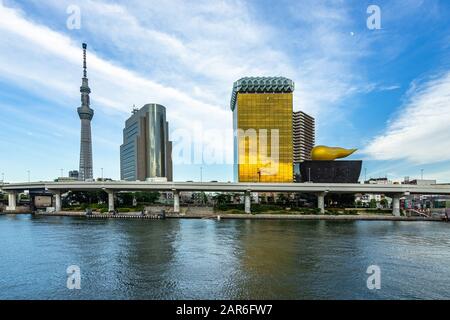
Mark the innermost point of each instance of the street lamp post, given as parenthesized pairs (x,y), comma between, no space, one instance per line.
(102,174)
(201,173)
(28,172)
(421,174)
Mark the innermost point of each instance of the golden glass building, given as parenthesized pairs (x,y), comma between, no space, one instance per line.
(262,123)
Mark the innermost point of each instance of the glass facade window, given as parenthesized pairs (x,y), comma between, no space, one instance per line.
(263,137)
(146,151)
(128,152)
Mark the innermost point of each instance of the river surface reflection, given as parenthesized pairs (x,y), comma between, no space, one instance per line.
(227,259)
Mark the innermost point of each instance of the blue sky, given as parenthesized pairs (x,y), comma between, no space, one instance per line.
(386,92)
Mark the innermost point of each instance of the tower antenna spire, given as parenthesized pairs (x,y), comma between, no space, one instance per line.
(86,114)
(84,60)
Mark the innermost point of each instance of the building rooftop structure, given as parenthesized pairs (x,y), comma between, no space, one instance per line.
(382,180)
(421,182)
(260,85)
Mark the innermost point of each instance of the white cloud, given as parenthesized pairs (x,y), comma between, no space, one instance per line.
(389,88)
(420,131)
(184,55)
(206,45)
(54,63)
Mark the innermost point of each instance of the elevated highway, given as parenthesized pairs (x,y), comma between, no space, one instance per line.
(396,191)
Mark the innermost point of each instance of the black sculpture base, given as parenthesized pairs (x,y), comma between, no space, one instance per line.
(343,171)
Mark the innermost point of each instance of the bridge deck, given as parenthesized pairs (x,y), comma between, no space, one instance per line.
(230,187)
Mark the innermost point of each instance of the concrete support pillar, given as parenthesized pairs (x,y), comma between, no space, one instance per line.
(396,205)
(58,205)
(11,201)
(176,201)
(110,200)
(321,202)
(247,202)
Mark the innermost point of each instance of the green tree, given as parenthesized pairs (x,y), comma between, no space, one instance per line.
(85,197)
(125,198)
(199,197)
(24,197)
(203,198)
(384,203)
(373,203)
(223,198)
(282,198)
(147,197)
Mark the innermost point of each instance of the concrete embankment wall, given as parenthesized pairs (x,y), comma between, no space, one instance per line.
(19,209)
(137,215)
(209,213)
(302,217)
(183,209)
(128,215)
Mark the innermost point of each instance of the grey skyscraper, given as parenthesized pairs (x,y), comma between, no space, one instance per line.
(303,135)
(146,151)
(86,114)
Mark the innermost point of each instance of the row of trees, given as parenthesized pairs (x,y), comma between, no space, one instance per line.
(299,200)
(99,197)
(129,199)
(293,199)
(21,198)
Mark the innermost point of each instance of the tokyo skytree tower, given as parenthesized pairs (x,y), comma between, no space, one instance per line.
(86,114)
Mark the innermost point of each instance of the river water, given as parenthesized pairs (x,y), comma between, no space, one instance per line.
(227,259)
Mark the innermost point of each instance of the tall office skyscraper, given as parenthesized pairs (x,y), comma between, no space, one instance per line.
(262,123)
(146,151)
(304,136)
(86,114)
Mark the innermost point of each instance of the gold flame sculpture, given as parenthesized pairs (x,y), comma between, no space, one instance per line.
(330,153)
